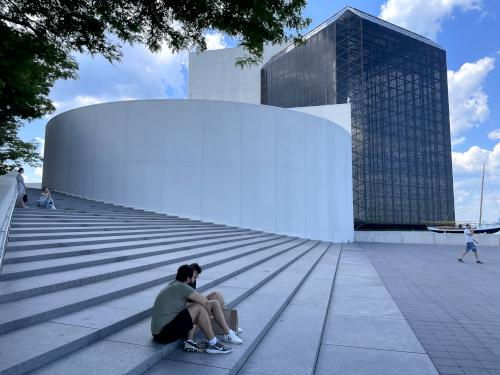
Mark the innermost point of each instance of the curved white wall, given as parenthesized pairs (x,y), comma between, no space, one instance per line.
(252,166)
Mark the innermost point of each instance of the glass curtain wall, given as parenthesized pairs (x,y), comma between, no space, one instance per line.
(397,87)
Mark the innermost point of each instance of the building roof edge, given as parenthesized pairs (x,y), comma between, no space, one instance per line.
(365,16)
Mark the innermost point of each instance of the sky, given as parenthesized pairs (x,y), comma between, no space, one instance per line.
(469,31)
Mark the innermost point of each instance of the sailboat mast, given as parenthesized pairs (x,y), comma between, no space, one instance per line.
(481,204)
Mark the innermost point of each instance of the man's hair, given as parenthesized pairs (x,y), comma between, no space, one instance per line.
(20,170)
(196,267)
(183,272)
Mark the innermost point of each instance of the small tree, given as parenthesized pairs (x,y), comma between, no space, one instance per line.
(38,37)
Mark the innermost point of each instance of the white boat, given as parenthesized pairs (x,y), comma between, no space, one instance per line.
(477,229)
(483,229)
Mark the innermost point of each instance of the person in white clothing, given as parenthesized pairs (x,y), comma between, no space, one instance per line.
(470,244)
(21,188)
(46,200)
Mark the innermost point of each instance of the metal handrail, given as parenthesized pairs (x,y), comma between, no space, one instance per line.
(6,225)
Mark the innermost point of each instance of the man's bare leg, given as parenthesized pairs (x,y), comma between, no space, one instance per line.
(465,253)
(199,315)
(216,311)
(192,332)
(216,296)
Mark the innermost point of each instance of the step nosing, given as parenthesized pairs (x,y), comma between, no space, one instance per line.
(303,252)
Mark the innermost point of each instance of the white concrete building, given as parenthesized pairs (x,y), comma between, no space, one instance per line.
(219,159)
(213,75)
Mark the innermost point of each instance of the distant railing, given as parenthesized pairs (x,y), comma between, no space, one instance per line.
(458,223)
(8,198)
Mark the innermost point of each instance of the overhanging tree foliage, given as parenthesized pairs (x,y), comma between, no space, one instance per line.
(38,37)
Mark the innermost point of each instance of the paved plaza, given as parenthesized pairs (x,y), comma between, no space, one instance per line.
(453,308)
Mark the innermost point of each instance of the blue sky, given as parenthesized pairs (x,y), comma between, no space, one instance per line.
(469,30)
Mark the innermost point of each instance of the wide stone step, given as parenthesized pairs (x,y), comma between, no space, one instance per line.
(149,248)
(111,223)
(309,307)
(11,290)
(81,328)
(42,236)
(75,241)
(66,206)
(51,214)
(96,220)
(18,314)
(106,228)
(126,252)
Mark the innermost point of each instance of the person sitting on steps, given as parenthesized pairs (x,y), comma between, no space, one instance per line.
(46,200)
(173,318)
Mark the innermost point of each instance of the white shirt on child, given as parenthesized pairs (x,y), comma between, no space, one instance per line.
(468,235)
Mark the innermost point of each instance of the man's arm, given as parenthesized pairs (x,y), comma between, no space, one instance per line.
(199,298)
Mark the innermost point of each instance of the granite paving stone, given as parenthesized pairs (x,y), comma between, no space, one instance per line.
(335,359)
(453,308)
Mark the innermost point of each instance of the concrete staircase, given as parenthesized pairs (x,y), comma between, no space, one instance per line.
(78,283)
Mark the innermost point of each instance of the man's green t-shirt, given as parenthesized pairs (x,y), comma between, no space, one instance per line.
(170,301)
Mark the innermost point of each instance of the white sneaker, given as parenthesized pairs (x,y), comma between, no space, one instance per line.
(240,330)
(232,338)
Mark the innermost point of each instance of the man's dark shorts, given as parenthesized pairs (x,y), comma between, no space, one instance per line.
(470,246)
(177,329)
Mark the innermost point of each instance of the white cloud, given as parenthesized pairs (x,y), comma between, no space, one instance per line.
(471,160)
(84,100)
(39,171)
(468,101)
(494,134)
(467,169)
(140,75)
(424,17)
(215,41)
(41,145)
(457,141)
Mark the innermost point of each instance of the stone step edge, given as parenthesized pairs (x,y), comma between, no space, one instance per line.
(62,234)
(108,228)
(239,364)
(47,244)
(13,296)
(72,253)
(327,310)
(75,306)
(72,346)
(330,295)
(72,266)
(87,223)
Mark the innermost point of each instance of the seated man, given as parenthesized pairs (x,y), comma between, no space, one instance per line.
(173,318)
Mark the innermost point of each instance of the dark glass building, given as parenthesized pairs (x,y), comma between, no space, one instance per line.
(396,82)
